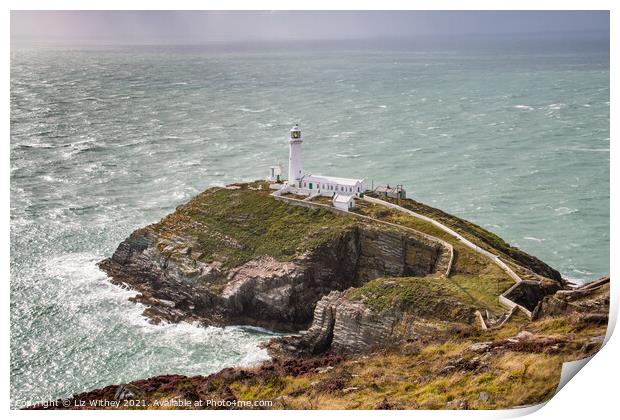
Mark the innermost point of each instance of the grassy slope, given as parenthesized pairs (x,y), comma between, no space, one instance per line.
(411,382)
(235,226)
(466,260)
(412,378)
(428,297)
(478,235)
(474,274)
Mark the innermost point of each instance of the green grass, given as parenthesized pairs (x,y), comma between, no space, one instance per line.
(478,235)
(467,261)
(428,297)
(435,297)
(234,226)
(482,290)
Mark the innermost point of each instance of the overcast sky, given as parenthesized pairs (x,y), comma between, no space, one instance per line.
(195,27)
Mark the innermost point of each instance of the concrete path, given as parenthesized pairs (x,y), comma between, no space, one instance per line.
(494,258)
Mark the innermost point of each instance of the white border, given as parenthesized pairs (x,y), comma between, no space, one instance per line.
(311,5)
(592,395)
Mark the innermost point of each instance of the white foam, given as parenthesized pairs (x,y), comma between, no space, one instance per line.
(78,273)
(531,238)
(243,109)
(83,288)
(562,211)
(593,150)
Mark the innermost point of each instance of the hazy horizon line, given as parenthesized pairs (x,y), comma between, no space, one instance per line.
(183,27)
(602,33)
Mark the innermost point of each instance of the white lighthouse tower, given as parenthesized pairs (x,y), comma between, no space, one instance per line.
(295,167)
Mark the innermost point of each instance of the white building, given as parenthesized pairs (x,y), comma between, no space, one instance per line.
(311,185)
(344,202)
(330,185)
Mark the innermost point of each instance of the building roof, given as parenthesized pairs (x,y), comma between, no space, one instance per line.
(387,188)
(343,198)
(334,180)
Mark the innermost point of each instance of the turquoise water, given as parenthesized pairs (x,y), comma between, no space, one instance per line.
(514,137)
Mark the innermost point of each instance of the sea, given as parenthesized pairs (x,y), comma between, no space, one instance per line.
(510,132)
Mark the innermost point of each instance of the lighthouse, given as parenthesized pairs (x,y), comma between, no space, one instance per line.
(342,191)
(295,167)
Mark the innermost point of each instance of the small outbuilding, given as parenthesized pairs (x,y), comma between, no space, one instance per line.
(344,202)
(392,192)
(275,173)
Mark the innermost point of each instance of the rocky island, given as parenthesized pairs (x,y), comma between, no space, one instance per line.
(379,308)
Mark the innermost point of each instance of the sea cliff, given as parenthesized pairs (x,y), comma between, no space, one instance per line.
(381,309)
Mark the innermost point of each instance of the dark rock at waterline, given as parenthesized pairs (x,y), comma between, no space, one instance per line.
(263,292)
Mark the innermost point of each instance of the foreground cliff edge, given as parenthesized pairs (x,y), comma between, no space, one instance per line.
(393,311)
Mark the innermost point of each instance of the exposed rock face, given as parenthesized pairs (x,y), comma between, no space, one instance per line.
(350,326)
(590,301)
(341,325)
(138,264)
(391,254)
(264,292)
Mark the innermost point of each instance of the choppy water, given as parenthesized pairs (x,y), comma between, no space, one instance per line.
(104,140)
